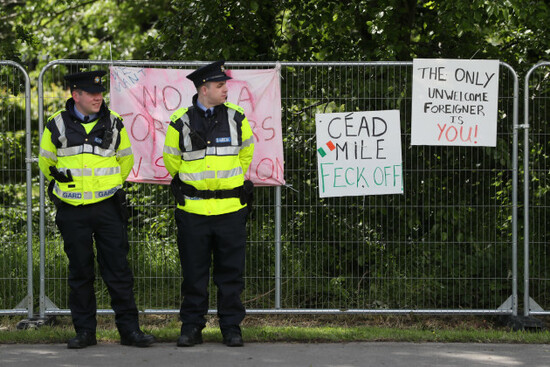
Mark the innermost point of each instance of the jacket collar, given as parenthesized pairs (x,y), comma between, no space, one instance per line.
(197,108)
(69,107)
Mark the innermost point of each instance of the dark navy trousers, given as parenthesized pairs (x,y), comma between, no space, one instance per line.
(79,227)
(219,240)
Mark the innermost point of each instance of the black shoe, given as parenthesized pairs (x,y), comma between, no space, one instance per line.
(137,338)
(82,340)
(232,337)
(190,335)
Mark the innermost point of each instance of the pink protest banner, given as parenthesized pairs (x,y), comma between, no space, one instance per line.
(145,98)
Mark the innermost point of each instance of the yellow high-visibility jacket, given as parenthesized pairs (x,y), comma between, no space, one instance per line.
(98,169)
(209,153)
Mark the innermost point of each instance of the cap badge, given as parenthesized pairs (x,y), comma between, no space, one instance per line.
(96,79)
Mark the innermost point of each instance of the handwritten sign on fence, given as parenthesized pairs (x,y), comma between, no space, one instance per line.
(359,153)
(146,98)
(454,102)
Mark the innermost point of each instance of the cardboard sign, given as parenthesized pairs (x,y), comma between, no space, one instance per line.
(454,102)
(359,153)
(146,98)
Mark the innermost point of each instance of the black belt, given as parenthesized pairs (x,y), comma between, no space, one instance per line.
(191,191)
(215,194)
(181,189)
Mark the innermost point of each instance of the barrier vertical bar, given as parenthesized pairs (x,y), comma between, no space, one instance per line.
(42,294)
(515,166)
(278,247)
(28,162)
(525,127)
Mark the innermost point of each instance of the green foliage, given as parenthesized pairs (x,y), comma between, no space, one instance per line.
(42,31)
(294,30)
(330,30)
(13,244)
(13,35)
(208,30)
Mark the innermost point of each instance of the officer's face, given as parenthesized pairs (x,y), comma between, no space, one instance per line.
(215,93)
(87,103)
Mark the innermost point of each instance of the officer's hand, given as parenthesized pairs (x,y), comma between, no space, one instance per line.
(60,176)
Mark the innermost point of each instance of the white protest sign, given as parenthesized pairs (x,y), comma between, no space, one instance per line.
(454,102)
(359,153)
(145,98)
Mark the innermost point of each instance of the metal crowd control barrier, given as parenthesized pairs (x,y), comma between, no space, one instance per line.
(16,259)
(536,150)
(447,246)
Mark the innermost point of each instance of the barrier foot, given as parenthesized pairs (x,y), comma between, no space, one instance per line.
(35,322)
(525,323)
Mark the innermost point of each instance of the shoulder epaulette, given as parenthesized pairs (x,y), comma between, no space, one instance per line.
(55,114)
(235,107)
(116,114)
(178,114)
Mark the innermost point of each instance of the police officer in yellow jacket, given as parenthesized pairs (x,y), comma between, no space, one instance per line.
(207,151)
(86,154)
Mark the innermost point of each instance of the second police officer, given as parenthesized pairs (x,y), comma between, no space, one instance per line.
(208,149)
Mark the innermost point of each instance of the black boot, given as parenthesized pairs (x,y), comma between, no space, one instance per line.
(232,336)
(190,335)
(82,340)
(137,338)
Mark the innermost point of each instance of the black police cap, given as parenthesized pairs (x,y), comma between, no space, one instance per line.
(89,81)
(214,72)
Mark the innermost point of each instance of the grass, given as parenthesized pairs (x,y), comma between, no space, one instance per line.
(300,329)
